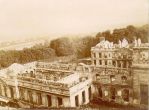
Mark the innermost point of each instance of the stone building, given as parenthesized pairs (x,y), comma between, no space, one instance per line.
(140,70)
(45,85)
(112,74)
(115,72)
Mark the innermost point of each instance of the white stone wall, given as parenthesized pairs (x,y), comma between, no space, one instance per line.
(77,90)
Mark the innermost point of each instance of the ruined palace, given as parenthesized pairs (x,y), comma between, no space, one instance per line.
(115,72)
(45,85)
(121,71)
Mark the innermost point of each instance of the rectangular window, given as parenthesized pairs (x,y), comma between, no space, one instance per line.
(49,100)
(105,62)
(99,55)
(83,96)
(5,91)
(94,62)
(11,92)
(113,63)
(89,93)
(60,101)
(77,101)
(100,62)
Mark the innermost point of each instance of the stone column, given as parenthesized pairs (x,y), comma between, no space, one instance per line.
(34,97)
(80,98)
(97,55)
(8,92)
(97,62)
(121,64)
(54,101)
(86,95)
(103,62)
(66,102)
(44,100)
(25,94)
(3,91)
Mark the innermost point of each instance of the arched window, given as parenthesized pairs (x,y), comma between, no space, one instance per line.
(113,63)
(124,79)
(125,95)
(112,93)
(112,78)
(100,92)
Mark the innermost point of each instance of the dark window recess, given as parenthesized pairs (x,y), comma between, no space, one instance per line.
(89,93)
(100,92)
(105,56)
(60,101)
(77,100)
(5,91)
(114,64)
(124,78)
(125,95)
(94,62)
(49,100)
(83,96)
(113,92)
(94,55)
(11,92)
(105,62)
(99,55)
(100,62)
(112,77)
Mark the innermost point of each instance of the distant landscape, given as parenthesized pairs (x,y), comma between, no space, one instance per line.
(79,47)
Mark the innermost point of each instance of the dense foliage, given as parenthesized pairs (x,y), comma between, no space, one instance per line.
(25,55)
(81,46)
(130,32)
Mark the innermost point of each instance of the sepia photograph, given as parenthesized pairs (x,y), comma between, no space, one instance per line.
(74,54)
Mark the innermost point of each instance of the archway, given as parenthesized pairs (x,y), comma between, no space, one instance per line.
(125,95)
(112,93)
(99,92)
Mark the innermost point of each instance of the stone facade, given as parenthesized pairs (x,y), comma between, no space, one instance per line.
(140,69)
(120,72)
(34,89)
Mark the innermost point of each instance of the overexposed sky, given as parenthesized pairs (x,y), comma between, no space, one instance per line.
(30,18)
